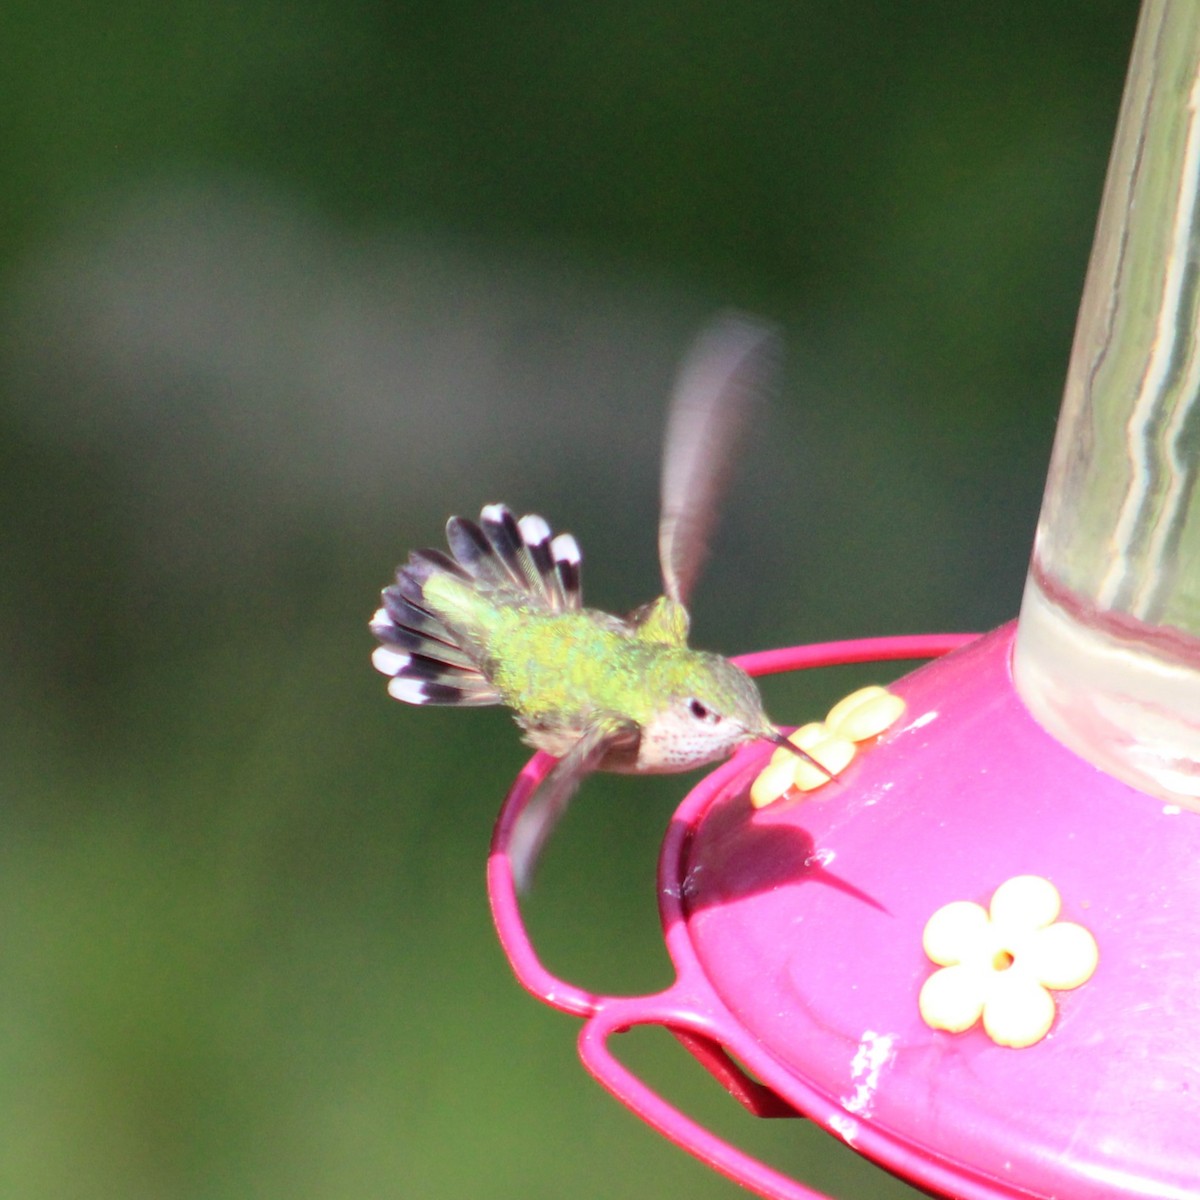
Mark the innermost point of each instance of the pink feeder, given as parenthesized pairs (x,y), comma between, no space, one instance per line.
(1063,747)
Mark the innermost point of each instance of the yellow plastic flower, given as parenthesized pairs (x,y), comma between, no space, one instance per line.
(860,716)
(1002,963)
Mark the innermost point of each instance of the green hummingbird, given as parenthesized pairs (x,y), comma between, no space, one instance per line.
(500,619)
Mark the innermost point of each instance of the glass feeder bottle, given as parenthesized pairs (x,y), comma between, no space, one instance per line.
(1107,656)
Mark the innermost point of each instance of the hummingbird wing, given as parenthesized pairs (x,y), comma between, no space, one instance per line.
(550,801)
(725,371)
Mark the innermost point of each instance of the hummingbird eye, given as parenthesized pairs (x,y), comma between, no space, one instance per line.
(702,712)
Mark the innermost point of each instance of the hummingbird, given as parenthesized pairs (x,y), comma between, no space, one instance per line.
(500,619)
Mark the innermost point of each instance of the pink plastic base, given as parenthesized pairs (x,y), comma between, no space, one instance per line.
(796,934)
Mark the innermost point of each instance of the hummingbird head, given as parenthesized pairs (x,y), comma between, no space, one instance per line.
(711,707)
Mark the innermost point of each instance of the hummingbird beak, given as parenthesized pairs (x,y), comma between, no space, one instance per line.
(773,735)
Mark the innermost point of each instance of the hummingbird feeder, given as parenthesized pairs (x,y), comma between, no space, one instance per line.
(977,960)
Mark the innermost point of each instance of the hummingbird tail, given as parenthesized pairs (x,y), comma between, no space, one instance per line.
(522,558)
(430,661)
(425,662)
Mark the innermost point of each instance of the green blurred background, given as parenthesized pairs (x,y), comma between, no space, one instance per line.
(282,287)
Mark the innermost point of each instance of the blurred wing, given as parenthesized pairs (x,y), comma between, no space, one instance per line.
(550,801)
(727,369)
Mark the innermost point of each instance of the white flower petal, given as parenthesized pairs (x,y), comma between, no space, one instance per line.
(1061,956)
(956,932)
(1019,1011)
(1025,902)
(952,998)
(865,714)
(773,781)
